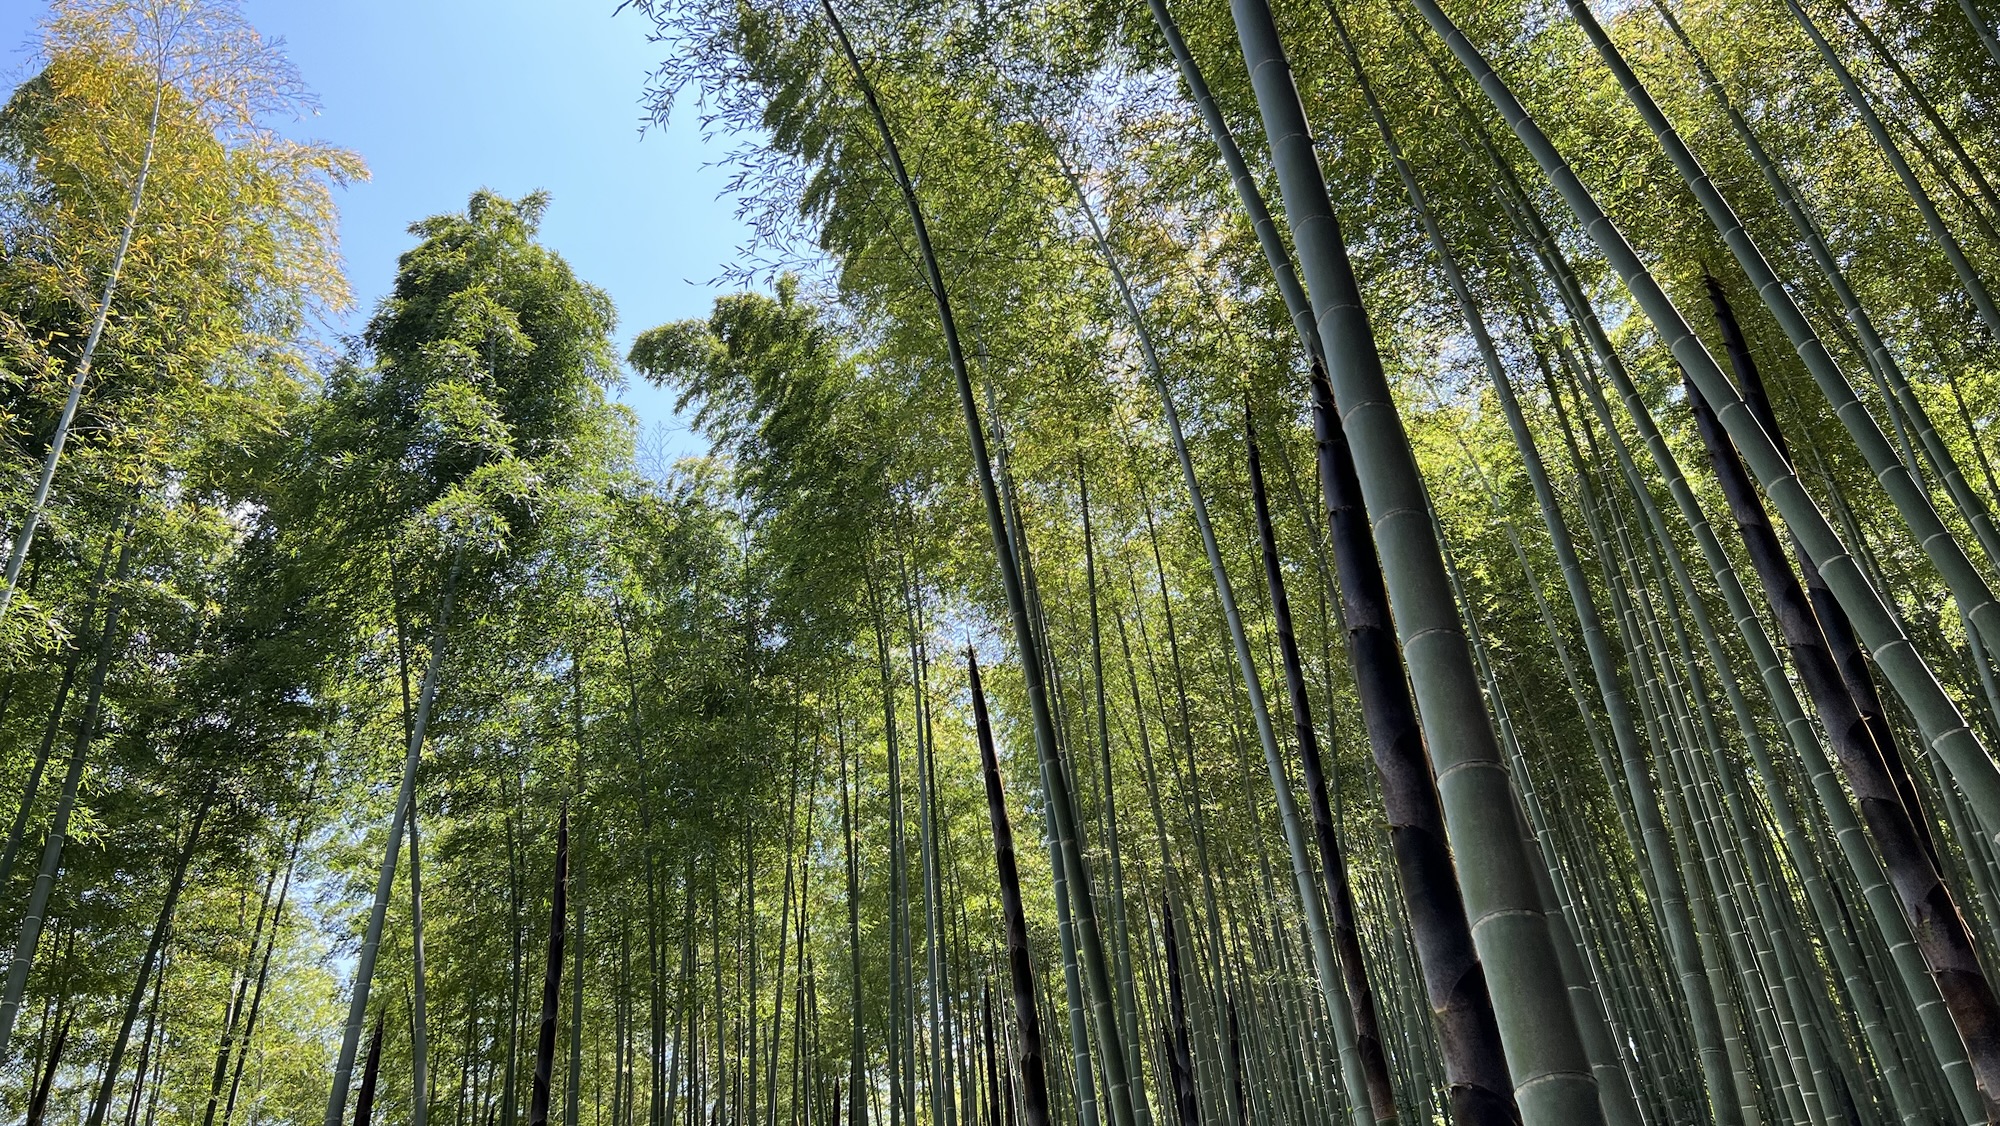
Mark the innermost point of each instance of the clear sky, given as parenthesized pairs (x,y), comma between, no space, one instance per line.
(442,97)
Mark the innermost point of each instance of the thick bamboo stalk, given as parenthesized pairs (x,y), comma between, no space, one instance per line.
(1550,1073)
(1879,627)
(1457,995)
(1939,930)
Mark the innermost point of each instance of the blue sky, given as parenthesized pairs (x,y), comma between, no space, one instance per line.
(442,97)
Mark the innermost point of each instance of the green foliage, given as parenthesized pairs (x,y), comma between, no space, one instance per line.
(710,667)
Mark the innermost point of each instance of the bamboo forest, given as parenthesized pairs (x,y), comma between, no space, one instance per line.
(1240,563)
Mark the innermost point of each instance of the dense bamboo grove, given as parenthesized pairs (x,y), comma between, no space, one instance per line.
(1344,561)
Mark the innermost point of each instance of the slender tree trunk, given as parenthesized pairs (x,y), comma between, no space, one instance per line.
(419,1007)
(1968,276)
(159,1073)
(937,969)
(1332,986)
(687,1043)
(573,1086)
(545,1040)
(1939,929)
(1028,1058)
(1187,1106)
(624,1084)
(659,1072)
(232,1014)
(1981,28)
(784,923)
(517,972)
(993,1111)
(263,976)
(18,832)
(1333,865)
(902,1046)
(1089,941)
(176,880)
(1217,1060)
(52,850)
(661,1089)
(385,884)
(420,1038)
(23,539)
(1237,1093)
(1121,948)
(857,1057)
(148,1044)
(38,1101)
(371,1073)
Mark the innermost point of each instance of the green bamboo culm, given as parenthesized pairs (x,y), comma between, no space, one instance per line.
(857,1053)
(1455,989)
(1700,1004)
(1550,1071)
(364,970)
(1939,929)
(552,975)
(1341,922)
(1881,359)
(1881,631)
(1362,1087)
(1973,1008)
(1967,584)
(1968,275)
(1055,783)
(176,882)
(1089,941)
(1981,28)
(36,912)
(1835,630)
(1939,1037)
(1121,948)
